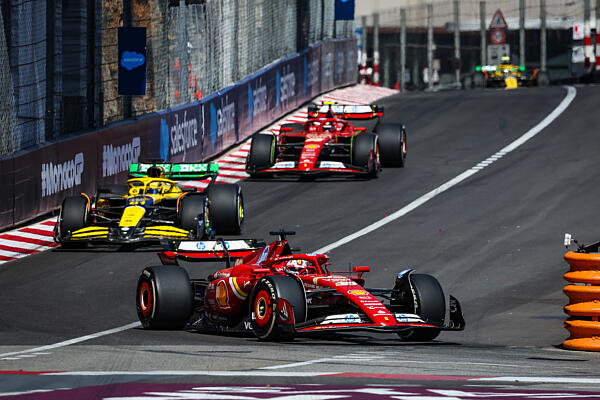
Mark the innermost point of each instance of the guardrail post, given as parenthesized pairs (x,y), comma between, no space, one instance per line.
(543,35)
(483,31)
(457,42)
(584,301)
(403,49)
(522,32)
(376,49)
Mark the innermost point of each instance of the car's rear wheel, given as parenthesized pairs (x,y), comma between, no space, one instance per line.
(429,303)
(164,297)
(262,153)
(478,80)
(193,215)
(365,153)
(226,205)
(277,303)
(73,216)
(542,79)
(392,145)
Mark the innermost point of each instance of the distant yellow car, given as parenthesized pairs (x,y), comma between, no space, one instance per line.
(506,75)
(152,206)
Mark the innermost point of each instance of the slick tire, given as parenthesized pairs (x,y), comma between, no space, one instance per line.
(73,216)
(543,80)
(191,210)
(430,305)
(164,297)
(262,153)
(266,317)
(226,208)
(365,153)
(478,80)
(392,145)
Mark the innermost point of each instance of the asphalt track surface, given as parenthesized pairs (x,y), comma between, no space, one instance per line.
(494,241)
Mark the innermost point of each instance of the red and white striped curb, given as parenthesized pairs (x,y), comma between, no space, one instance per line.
(38,237)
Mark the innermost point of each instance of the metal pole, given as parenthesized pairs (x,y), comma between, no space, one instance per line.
(587,31)
(386,66)
(363,49)
(403,49)
(522,32)
(376,49)
(597,37)
(430,45)
(457,41)
(49,117)
(127,108)
(543,35)
(483,32)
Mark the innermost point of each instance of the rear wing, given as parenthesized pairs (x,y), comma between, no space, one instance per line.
(177,171)
(345,111)
(210,250)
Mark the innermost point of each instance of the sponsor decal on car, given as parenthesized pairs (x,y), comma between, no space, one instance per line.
(357,292)
(284,164)
(59,177)
(331,164)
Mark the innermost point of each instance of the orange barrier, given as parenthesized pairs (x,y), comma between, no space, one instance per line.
(584,301)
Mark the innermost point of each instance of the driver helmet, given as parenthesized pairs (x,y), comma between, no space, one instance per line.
(154,171)
(295,266)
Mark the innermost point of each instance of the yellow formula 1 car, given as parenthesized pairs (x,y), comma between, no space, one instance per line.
(151,207)
(506,75)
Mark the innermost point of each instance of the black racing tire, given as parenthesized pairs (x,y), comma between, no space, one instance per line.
(468,83)
(478,80)
(265,315)
(164,297)
(543,80)
(365,153)
(296,127)
(262,152)
(431,306)
(190,209)
(226,208)
(392,145)
(115,189)
(73,216)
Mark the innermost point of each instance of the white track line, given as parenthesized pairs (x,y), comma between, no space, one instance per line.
(571,93)
(73,341)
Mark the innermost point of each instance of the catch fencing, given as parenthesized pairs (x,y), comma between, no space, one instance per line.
(423,34)
(59,57)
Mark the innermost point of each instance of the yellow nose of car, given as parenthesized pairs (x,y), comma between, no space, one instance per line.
(131,216)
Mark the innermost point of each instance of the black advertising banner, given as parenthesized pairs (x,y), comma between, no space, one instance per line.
(181,134)
(36,182)
(132,60)
(7,200)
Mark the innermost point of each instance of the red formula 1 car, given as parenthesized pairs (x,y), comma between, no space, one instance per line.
(328,144)
(278,295)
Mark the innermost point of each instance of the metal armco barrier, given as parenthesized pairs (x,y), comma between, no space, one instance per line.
(584,301)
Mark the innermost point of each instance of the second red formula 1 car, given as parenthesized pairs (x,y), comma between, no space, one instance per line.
(278,295)
(329,144)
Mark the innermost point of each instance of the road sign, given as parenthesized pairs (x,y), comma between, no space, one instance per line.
(498,36)
(578,31)
(495,52)
(498,21)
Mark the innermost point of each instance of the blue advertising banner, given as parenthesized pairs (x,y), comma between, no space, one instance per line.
(344,9)
(132,60)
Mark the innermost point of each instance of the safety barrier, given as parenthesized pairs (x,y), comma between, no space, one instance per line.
(584,301)
(37,181)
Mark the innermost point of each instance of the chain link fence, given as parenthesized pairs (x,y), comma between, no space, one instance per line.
(58,58)
(556,18)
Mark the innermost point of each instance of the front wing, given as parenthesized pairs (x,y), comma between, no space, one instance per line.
(116,235)
(320,168)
